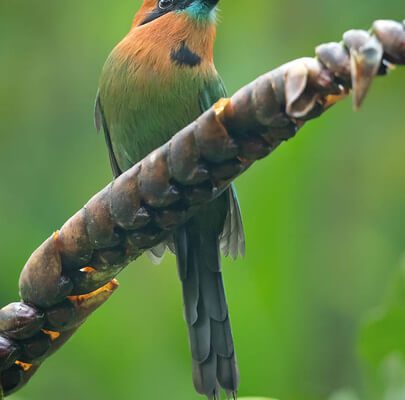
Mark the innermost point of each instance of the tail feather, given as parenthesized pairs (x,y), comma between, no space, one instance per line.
(212,294)
(221,337)
(200,337)
(206,310)
(205,377)
(228,374)
(191,292)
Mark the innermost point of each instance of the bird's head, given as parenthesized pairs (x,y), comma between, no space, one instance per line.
(198,10)
(169,33)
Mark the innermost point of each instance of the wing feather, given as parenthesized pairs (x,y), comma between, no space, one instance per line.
(233,236)
(101,123)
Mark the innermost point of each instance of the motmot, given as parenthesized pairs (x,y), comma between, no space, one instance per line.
(155,82)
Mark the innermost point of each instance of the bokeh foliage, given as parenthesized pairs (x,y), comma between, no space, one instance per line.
(324,214)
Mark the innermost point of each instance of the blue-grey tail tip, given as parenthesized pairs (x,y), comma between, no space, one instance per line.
(217,395)
(230,395)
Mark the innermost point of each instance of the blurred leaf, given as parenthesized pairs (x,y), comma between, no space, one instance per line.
(383,335)
(383,332)
(345,394)
(393,373)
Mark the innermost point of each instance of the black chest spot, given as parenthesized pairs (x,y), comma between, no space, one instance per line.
(185,57)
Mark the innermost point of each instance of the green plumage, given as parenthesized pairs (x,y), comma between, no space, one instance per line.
(143,114)
(139,114)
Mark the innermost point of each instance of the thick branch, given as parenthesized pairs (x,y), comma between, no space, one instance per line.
(72,273)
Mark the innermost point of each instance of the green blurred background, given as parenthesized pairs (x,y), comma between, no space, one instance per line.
(324,215)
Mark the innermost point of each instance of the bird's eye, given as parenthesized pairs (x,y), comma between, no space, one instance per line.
(164,4)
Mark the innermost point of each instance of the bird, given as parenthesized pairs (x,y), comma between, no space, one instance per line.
(159,78)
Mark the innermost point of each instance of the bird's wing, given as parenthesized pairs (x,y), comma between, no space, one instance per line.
(156,253)
(233,236)
(211,93)
(101,124)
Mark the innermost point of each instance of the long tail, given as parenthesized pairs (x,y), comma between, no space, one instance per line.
(206,310)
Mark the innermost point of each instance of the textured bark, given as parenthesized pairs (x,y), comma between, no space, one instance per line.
(73,272)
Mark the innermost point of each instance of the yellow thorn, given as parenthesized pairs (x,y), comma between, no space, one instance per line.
(332,99)
(52,334)
(87,269)
(109,287)
(220,106)
(25,366)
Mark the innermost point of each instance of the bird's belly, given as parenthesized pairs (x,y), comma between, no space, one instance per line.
(143,127)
